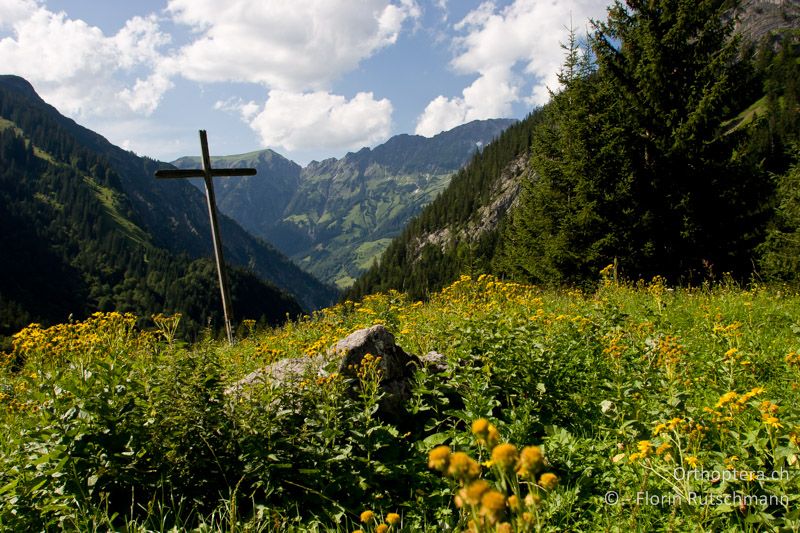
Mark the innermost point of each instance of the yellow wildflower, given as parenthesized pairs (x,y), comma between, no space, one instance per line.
(439,458)
(493,503)
(485,433)
(768,407)
(692,461)
(505,527)
(493,436)
(505,456)
(382,528)
(532,500)
(513,502)
(480,427)
(367,516)
(771,421)
(645,447)
(392,519)
(727,398)
(472,493)
(548,481)
(463,467)
(674,423)
(530,461)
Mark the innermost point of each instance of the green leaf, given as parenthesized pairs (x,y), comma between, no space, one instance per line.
(436,439)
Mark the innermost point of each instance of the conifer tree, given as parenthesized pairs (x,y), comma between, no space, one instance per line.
(634,162)
(781,250)
(679,71)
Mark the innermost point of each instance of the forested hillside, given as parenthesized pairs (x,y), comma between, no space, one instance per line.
(667,151)
(172,212)
(437,245)
(73,243)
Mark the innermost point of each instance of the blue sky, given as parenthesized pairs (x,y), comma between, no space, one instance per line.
(308,78)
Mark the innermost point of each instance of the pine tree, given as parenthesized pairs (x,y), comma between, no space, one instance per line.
(680,73)
(568,222)
(781,250)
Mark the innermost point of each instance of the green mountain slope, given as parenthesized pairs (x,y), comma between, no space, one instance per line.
(77,232)
(171,212)
(458,232)
(256,201)
(335,217)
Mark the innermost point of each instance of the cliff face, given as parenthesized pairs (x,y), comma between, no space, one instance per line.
(760,18)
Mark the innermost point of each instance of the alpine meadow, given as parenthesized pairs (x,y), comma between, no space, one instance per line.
(592,325)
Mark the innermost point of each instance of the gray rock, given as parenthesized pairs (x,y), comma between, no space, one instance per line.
(395,364)
(434,361)
(396,368)
(287,370)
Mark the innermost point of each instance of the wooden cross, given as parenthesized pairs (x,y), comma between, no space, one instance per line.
(207,173)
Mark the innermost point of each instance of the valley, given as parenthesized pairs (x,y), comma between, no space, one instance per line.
(335,217)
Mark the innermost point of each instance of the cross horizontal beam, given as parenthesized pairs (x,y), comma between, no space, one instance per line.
(200,173)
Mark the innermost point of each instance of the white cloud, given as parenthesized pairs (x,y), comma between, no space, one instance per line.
(298,45)
(139,41)
(146,93)
(296,50)
(490,96)
(12,11)
(77,68)
(505,47)
(321,120)
(247,110)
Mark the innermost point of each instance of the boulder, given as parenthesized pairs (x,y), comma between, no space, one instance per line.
(395,363)
(396,367)
(291,369)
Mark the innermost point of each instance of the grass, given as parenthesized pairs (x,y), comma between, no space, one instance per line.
(6,124)
(635,407)
(108,197)
(368,252)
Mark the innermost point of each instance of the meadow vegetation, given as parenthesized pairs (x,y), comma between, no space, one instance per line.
(630,407)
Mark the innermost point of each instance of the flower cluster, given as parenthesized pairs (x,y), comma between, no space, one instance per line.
(371,522)
(498,506)
(100,332)
(614,347)
(670,353)
(485,432)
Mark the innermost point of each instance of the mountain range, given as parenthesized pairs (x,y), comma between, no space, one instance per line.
(87,227)
(335,217)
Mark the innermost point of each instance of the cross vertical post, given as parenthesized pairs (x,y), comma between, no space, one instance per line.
(222,275)
(208,173)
